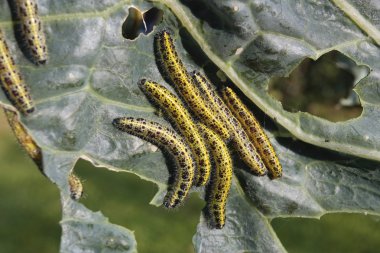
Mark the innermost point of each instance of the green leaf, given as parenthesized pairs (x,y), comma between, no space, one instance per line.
(91,78)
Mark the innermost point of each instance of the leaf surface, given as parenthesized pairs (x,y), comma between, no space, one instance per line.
(91,78)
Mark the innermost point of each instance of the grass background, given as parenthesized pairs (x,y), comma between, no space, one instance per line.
(30,212)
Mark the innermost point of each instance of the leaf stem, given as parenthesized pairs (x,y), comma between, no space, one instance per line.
(358,18)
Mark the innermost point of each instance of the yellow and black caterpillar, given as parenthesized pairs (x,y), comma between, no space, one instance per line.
(11,81)
(23,137)
(26,12)
(255,132)
(221,177)
(171,142)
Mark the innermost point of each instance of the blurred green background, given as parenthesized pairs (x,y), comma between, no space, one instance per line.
(30,212)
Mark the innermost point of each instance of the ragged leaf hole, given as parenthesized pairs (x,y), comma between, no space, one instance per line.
(124,198)
(138,22)
(319,233)
(323,88)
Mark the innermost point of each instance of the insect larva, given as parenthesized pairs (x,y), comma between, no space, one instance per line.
(221,176)
(184,123)
(240,139)
(247,151)
(255,132)
(172,143)
(76,187)
(172,67)
(31,28)
(24,138)
(11,81)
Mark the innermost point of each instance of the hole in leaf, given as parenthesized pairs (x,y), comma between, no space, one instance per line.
(124,198)
(323,87)
(347,232)
(140,22)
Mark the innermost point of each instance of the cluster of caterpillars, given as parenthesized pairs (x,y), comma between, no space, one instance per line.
(201,139)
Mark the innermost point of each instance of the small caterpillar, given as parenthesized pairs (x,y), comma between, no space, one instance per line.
(24,138)
(171,142)
(240,139)
(182,121)
(172,67)
(11,81)
(221,177)
(255,132)
(76,187)
(31,28)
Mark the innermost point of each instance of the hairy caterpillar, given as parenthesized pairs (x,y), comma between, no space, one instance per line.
(255,132)
(221,177)
(247,152)
(24,138)
(31,28)
(172,67)
(76,187)
(171,142)
(11,81)
(182,121)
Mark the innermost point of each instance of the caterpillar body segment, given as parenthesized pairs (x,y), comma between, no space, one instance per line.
(11,81)
(171,142)
(183,122)
(221,177)
(255,132)
(172,67)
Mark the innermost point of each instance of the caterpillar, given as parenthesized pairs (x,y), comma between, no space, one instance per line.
(243,146)
(182,120)
(171,142)
(255,132)
(76,187)
(221,177)
(25,140)
(31,28)
(173,69)
(11,81)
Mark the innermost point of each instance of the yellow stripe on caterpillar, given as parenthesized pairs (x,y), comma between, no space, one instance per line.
(243,146)
(172,143)
(183,122)
(32,31)
(255,132)
(172,67)
(11,81)
(221,177)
